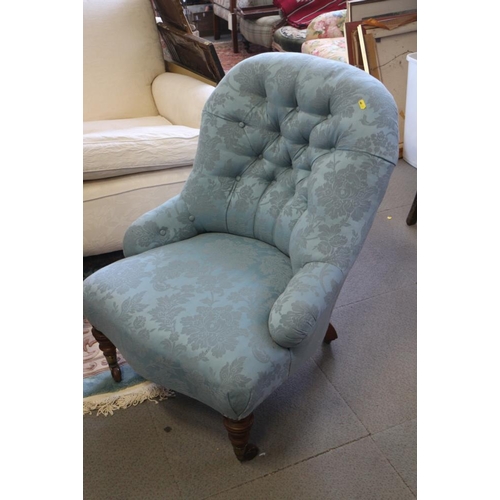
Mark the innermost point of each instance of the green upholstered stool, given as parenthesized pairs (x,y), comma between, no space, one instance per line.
(289,39)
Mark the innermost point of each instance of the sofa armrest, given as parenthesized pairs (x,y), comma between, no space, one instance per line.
(327,25)
(309,295)
(180,98)
(168,223)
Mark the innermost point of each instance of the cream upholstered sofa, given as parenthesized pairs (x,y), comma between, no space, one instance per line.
(140,123)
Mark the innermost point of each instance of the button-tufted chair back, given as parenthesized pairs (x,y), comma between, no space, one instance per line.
(285,141)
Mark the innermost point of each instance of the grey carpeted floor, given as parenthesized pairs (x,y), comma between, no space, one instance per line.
(342,428)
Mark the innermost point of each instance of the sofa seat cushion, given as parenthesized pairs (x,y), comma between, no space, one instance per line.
(119,147)
(328,48)
(193,316)
(111,205)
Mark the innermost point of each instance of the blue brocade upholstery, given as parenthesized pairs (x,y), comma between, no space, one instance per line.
(228,287)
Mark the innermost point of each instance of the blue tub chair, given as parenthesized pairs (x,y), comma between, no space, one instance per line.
(228,288)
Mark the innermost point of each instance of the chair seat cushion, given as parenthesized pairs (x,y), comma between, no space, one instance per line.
(327,25)
(328,48)
(119,147)
(259,31)
(193,316)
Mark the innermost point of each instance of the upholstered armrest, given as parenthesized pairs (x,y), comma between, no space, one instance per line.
(168,223)
(309,295)
(327,25)
(180,98)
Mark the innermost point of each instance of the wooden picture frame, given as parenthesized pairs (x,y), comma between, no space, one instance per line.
(359,10)
(384,57)
(351,33)
(352,43)
(172,14)
(368,51)
(192,53)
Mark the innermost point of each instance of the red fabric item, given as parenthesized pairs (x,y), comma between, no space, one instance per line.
(299,13)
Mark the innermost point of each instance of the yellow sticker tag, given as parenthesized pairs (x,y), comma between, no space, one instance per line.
(362,104)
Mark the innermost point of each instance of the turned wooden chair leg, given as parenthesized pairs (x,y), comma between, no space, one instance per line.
(331,334)
(109,351)
(239,435)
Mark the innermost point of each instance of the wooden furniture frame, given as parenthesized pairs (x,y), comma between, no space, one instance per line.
(243,13)
(234,26)
(257,12)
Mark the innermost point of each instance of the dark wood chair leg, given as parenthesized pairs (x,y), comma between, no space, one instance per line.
(239,435)
(109,351)
(234,32)
(331,334)
(216,23)
(412,214)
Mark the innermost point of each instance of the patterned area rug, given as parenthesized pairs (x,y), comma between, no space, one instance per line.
(101,393)
(229,59)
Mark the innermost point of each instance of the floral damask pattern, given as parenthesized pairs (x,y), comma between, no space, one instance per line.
(213,329)
(227,283)
(334,49)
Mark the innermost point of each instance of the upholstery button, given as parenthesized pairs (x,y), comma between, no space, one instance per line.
(191,218)
(297,109)
(260,157)
(238,178)
(329,116)
(241,124)
(163,232)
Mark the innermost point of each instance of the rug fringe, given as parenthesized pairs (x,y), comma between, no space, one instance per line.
(106,404)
